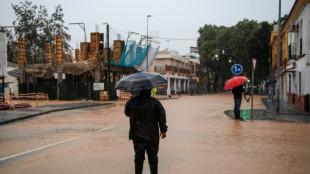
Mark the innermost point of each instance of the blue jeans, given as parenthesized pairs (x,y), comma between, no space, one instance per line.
(151,148)
(237,104)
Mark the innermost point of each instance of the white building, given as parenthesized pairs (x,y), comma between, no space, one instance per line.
(295,76)
(181,71)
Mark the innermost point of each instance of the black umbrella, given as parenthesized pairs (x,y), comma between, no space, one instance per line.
(271,81)
(140,81)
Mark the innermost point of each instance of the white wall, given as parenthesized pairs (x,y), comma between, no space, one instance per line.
(303,64)
(3,55)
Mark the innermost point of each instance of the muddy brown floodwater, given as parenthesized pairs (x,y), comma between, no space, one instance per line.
(201,139)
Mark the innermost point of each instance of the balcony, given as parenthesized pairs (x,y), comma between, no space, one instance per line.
(160,68)
(292,51)
(171,69)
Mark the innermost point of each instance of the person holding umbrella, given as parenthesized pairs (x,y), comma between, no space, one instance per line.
(270,91)
(270,84)
(237,89)
(147,117)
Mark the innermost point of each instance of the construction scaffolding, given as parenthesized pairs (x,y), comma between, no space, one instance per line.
(64,77)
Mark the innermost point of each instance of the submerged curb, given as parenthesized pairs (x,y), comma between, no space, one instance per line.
(77,106)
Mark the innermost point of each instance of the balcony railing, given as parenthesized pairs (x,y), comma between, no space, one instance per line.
(160,68)
(292,49)
(172,69)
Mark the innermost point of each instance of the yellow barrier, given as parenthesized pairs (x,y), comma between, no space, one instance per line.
(34,99)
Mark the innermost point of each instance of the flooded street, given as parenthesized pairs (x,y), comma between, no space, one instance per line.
(200,139)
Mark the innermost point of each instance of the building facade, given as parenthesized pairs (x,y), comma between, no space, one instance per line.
(295,56)
(181,72)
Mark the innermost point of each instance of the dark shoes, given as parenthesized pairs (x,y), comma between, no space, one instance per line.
(139,168)
(237,115)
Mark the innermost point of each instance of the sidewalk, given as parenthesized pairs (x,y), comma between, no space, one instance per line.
(287,113)
(10,116)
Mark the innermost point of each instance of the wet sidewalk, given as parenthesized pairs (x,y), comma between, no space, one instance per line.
(286,113)
(10,116)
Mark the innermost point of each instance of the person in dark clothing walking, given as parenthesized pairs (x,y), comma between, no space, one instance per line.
(147,117)
(237,91)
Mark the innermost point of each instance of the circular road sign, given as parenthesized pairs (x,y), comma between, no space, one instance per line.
(236,69)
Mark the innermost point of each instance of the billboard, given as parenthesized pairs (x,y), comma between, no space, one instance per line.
(3,55)
(98,86)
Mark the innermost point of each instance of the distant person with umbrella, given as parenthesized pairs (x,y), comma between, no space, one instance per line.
(147,118)
(270,84)
(270,91)
(237,89)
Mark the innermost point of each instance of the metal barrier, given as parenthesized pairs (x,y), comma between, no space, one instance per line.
(124,96)
(20,100)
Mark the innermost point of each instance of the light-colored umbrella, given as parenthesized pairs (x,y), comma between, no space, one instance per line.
(140,81)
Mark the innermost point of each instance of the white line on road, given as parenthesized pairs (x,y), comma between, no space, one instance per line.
(105,129)
(37,149)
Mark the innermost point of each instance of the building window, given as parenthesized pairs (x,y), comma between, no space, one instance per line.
(299,88)
(192,69)
(300,46)
(289,82)
(300,36)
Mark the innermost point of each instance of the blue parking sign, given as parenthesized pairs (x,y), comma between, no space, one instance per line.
(236,69)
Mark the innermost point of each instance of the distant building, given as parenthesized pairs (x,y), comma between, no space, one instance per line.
(181,71)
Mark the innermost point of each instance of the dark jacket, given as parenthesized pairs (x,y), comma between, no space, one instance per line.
(147,116)
(237,91)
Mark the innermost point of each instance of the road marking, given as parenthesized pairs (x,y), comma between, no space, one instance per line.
(37,149)
(105,129)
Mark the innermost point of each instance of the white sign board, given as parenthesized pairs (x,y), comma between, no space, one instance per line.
(56,75)
(98,86)
(3,55)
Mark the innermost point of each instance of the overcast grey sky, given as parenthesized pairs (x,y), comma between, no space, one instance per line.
(178,19)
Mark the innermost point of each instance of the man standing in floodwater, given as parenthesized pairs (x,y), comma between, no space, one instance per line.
(237,91)
(147,116)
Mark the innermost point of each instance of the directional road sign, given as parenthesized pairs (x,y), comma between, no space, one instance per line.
(236,69)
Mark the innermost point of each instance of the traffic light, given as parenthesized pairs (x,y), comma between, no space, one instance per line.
(229,59)
(216,53)
(248,80)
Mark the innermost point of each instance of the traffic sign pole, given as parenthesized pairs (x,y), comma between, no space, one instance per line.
(253,69)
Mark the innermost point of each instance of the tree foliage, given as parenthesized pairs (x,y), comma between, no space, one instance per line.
(247,39)
(38,27)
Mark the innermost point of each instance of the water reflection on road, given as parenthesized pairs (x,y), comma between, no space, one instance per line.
(201,139)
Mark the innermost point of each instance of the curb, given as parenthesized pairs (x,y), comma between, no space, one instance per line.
(50,111)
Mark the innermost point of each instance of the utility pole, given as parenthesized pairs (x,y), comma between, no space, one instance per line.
(279,57)
(108,47)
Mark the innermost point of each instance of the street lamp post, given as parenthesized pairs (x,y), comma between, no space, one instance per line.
(147,41)
(108,47)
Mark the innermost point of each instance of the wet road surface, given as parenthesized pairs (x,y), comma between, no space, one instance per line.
(201,139)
